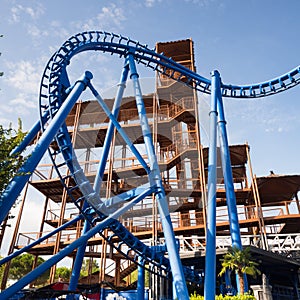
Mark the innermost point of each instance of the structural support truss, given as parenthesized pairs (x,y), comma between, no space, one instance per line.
(58,96)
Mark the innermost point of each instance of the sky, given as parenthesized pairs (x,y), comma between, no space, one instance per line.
(246,41)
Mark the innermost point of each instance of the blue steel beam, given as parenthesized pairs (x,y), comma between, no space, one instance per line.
(98,179)
(210,256)
(16,185)
(115,201)
(10,291)
(119,128)
(111,127)
(40,240)
(229,187)
(141,280)
(228,178)
(155,179)
(78,262)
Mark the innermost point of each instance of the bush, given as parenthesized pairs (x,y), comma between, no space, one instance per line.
(220,297)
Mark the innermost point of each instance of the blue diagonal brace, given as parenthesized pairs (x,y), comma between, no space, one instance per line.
(98,179)
(10,291)
(155,180)
(119,128)
(16,185)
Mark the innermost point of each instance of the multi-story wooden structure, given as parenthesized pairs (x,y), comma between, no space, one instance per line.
(266,205)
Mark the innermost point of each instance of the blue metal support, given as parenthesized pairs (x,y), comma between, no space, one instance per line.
(40,240)
(120,199)
(141,280)
(119,128)
(155,179)
(228,178)
(229,186)
(16,185)
(111,127)
(78,262)
(210,261)
(10,291)
(98,180)
(61,100)
(227,278)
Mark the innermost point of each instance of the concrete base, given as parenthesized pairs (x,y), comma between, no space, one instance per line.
(262,292)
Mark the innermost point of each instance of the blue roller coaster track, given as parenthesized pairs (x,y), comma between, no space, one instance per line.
(58,96)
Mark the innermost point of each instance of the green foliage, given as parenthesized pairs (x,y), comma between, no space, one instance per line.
(134,277)
(63,273)
(226,297)
(240,262)
(88,264)
(22,264)
(9,165)
(1,270)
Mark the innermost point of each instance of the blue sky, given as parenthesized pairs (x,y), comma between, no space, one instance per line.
(247,41)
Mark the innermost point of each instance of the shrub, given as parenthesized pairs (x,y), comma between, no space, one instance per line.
(220,297)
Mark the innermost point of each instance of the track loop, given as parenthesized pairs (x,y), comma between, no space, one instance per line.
(55,86)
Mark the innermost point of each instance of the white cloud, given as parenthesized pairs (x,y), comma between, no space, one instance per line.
(202,3)
(58,30)
(22,101)
(24,76)
(19,11)
(111,17)
(34,31)
(151,3)
(5,121)
(22,105)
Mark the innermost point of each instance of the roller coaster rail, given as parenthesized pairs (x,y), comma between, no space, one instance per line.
(57,97)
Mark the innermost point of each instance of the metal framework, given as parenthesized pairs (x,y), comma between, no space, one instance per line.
(160,135)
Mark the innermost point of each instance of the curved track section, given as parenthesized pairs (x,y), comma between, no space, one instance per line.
(53,91)
(55,86)
(55,77)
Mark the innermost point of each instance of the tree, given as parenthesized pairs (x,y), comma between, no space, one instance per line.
(63,273)
(22,264)
(1,270)
(89,266)
(239,260)
(9,165)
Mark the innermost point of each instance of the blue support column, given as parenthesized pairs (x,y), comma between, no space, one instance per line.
(229,186)
(141,280)
(16,185)
(17,286)
(210,260)
(78,262)
(228,179)
(98,180)
(155,180)
(111,127)
(119,128)
(227,278)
